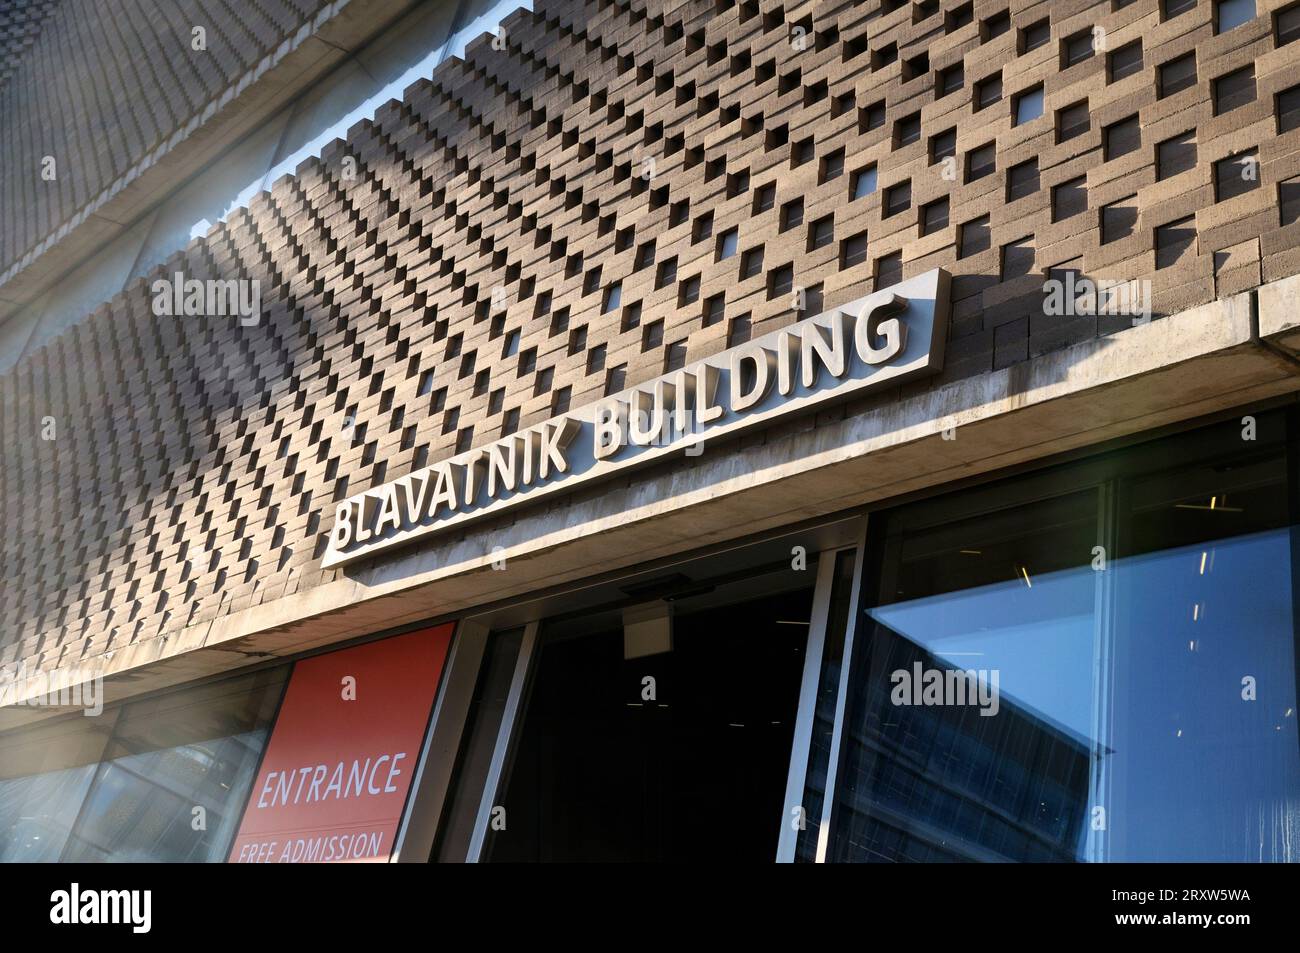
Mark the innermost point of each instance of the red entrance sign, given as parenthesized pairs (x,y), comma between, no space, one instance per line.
(340,760)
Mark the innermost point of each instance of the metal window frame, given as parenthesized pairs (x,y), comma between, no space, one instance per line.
(434,779)
(504,750)
(1097,848)
(805,719)
(841,697)
(436,767)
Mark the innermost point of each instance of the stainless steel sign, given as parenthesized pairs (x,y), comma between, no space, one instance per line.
(882,339)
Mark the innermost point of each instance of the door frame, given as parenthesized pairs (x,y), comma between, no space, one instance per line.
(810,691)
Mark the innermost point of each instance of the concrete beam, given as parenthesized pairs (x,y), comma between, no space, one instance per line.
(1201,361)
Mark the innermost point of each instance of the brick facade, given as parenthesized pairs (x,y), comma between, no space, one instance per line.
(504,249)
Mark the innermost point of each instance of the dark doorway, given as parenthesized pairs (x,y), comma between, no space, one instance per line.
(681,755)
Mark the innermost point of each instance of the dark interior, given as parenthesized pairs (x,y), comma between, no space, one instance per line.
(601,774)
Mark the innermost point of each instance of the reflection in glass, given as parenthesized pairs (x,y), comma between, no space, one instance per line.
(1146,691)
(125,785)
(1204,681)
(1206,765)
(945,781)
(44,773)
(169,756)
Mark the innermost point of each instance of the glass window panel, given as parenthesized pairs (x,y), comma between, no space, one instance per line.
(1009,596)
(1205,764)
(45,771)
(1029,106)
(1132,704)
(864,182)
(1229,14)
(171,754)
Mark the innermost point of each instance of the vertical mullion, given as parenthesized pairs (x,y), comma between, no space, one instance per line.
(846,669)
(1097,850)
(1292,450)
(805,719)
(442,741)
(505,735)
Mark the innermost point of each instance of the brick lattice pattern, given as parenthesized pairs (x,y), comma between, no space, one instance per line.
(20,25)
(501,253)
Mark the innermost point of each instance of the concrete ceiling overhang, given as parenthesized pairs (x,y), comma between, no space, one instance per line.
(1226,354)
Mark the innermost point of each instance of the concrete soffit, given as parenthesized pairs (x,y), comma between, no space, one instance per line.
(1231,352)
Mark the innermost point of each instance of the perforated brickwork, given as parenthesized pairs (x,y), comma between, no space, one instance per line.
(554,218)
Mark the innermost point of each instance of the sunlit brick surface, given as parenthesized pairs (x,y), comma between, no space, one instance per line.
(196,460)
